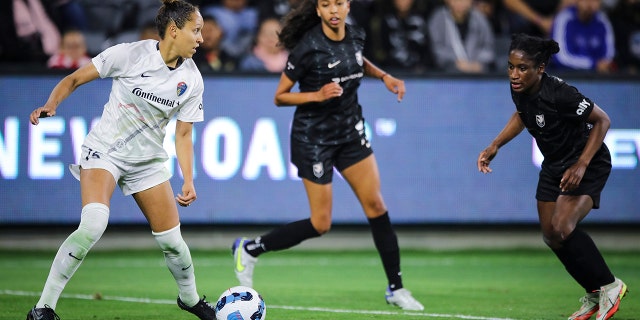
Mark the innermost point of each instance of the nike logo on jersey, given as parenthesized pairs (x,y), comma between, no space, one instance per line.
(144,75)
(72,256)
(333,64)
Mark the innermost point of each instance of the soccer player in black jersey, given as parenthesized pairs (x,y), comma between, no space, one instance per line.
(328,131)
(569,130)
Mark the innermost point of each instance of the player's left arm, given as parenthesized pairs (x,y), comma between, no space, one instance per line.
(184,153)
(392,83)
(601,123)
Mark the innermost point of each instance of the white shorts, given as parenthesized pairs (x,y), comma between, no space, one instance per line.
(130,177)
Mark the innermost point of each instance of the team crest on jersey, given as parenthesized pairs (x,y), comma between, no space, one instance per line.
(359,59)
(182,87)
(318,169)
(540,120)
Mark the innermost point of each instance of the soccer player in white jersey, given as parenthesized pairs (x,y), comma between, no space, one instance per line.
(153,81)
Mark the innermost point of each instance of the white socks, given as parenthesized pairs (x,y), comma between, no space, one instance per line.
(178,258)
(93,222)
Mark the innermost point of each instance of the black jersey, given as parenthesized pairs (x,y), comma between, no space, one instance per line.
(315,61)
(556,117)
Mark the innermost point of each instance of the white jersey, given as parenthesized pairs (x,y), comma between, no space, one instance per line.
(145,95)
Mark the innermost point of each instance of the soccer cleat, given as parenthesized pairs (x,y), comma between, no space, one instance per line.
(243,263)
(203,310)
(589,306)
(403,299)
(610,296)
(45,313)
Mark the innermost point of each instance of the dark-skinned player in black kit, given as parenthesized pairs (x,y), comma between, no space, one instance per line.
(569,130)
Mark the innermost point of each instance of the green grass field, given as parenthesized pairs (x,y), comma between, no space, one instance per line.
(299,284)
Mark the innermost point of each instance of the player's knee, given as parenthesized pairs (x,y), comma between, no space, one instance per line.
(323,228)
(93,221)
(170,240)
(374,208)
(321,225)
(557,234)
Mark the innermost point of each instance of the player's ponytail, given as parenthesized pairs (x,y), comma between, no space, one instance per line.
(297,22)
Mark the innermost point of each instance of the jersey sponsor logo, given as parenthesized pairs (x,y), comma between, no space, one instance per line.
(145,75)
(582,106)
(359,58)
(151,97)
(181,88)
(349,77)
(540,120)
(290,66)
(331,65)
(318,169)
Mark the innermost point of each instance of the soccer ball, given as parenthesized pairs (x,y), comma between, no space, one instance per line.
(240,303)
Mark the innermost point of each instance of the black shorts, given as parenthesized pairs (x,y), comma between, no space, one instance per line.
(593,181)
(316,162)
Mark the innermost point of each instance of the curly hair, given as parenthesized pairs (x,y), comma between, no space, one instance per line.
(537,49)
(297,22)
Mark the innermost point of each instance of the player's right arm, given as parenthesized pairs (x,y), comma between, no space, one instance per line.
(62,90)
(284,96)
(513,128)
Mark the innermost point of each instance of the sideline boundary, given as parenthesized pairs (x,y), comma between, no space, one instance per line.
(315,309)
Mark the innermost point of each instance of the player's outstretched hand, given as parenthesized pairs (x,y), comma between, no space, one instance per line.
(485,158)
(42,112)
(395,85)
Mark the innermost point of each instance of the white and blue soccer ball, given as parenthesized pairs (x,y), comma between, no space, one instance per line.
(240,303)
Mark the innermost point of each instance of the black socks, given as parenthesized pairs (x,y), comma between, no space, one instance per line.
(386,242)
(281,238)
(291,234)
(583,261)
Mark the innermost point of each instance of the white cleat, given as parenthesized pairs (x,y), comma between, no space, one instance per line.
(243,263)
(403,299)
(588,308)
(610,296)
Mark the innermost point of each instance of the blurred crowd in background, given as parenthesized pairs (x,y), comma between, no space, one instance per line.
(407,36)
